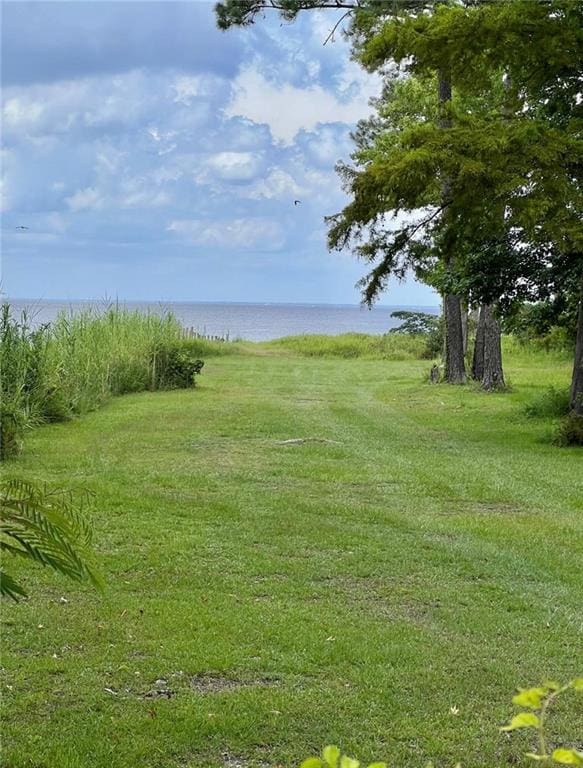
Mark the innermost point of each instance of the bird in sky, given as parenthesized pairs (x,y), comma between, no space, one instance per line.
(297,202)
(22,227)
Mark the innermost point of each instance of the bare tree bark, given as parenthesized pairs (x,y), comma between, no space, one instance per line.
(478,358)
(455,368)
(576,397)
(492,376)
(487,359)
(465,313)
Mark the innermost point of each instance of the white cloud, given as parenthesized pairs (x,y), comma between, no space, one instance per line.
(21,113)
(85,199)
(243,234)
(277,184)
(234,166)
(288,109)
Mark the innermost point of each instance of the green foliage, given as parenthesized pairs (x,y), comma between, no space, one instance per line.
(415,322)
(45,527)
(355,345)
(570,431)
(552,403)
(536,702)
(77,362)
(550,324)
(430,327)
(332,758)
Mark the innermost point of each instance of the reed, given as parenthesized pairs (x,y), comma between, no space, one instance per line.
(74,364)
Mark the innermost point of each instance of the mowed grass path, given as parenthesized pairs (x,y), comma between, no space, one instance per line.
(264,599)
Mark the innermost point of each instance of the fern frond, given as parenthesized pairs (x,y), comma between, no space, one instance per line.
(47,527)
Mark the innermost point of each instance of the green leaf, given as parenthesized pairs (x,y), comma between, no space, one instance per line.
(348,762)
(331,755)
(578,684)
(9,587)
(567,756)
(523,720)
(530,697)
(312,762)
(377,765)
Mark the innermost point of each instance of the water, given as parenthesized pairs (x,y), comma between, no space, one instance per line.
(253,322)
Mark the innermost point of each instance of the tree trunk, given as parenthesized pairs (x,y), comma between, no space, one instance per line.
(487,359)
(478,358)
(576,399)
(455,369)
(492,376)
(464,311)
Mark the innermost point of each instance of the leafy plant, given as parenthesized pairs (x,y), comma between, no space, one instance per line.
(535,704)
(332,758)
(46,527)
(415,322)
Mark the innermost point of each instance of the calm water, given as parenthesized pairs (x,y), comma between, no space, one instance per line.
(254,322)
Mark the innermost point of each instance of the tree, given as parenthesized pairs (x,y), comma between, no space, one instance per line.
(45,527)
(365,15)
(528,167)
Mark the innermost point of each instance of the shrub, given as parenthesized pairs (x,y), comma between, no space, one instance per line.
(552,403)
(570,430)
(176,367)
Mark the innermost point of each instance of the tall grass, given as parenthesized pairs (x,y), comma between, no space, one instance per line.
(391,346)
(74,364)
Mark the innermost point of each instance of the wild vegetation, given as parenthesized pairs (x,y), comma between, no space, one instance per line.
(301,551)
(75,364)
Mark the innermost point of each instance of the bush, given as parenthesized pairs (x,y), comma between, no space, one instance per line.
(552,403)
(570,431)
(176,367)
(547,325)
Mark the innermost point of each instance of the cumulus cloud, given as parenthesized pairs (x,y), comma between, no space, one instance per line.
(137,135)
(234,166)
(287,109)
(243,234)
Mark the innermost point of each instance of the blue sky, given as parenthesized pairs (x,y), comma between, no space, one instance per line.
(153,157)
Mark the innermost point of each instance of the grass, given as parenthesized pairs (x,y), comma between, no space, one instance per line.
(421,550)
(390,346)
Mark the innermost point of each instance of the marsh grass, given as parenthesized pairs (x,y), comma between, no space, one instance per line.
(394,346)
(73,365)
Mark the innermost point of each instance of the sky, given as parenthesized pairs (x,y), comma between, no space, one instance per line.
(153,157)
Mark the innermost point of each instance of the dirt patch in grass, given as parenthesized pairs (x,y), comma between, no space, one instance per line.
(392,602)
(215,682)
(232,760)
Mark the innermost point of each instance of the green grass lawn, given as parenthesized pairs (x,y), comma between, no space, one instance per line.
(421,551)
